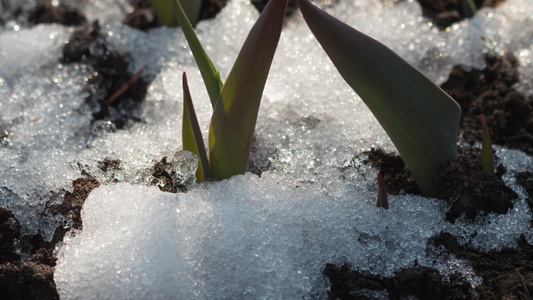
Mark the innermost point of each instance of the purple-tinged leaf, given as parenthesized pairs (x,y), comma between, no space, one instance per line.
(235,114)
(191,134)
(207,69)
(420,118)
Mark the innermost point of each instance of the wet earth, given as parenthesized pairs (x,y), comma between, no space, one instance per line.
(116,98)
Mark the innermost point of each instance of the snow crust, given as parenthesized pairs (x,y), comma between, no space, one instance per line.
(246,237)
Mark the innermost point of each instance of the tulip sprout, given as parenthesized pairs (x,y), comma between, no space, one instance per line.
(236,102)
(419,117)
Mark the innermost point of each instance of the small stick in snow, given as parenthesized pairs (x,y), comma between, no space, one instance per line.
(124,88)
(382,193)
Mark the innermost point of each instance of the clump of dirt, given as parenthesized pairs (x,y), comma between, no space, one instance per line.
(72,205)
(491,92)
(109,164)
(45,12)
(165,178)
(462,183)
(506,274)
(210,8)
(445,13)
(9,233)
(34,278)
(397,177)
(143,16)
(78,45)
(471,190)
(115,95)
(420,282)
(525,180)
(25,14)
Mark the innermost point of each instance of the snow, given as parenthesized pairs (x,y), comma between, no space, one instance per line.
(249,236)
(268,239)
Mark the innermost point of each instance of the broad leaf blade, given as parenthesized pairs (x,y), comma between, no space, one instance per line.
(210,75)
(233,122)
(421,119)
(191,134)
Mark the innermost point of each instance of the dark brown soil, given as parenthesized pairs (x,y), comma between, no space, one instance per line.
(509,114)
(471,190)
(110,106)
(507,274)
(163,178)
(422,282)
(444,13)
(34,278)
(397,177)
(45,12)
(26,262)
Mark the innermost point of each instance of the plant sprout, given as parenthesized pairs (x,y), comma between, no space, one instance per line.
(420,118)
(165,11)
(487,160)
(236,102)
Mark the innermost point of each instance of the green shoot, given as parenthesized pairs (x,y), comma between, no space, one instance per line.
(191,134)
(166,16)
(237,101)
(209,73)
(419,117)
(487,159)
(382,193)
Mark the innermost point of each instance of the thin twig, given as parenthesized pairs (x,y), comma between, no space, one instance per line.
(124,88)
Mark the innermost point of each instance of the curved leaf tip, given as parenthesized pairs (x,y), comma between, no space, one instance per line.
(419,117)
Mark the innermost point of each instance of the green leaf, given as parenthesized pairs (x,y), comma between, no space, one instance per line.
(165,12)
(210,75)
(487,159)
(421,119)
(191,134)
(235,114)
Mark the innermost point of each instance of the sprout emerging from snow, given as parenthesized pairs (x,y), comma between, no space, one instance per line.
(236,102)
(419,117)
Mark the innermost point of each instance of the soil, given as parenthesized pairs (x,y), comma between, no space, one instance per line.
(444,13)
(27,262)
